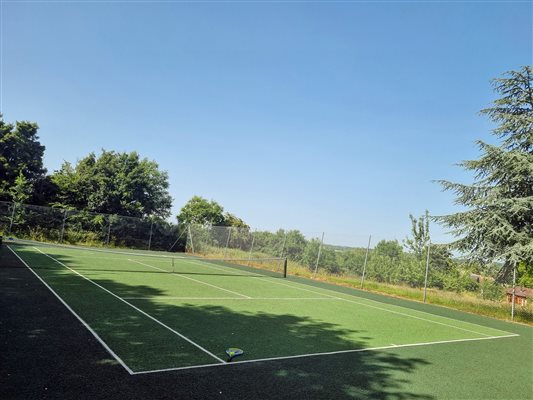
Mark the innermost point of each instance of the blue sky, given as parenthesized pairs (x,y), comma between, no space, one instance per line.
(317,116)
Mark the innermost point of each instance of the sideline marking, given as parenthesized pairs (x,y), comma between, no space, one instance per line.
(192,279)
(324,354)
(135,308)
(396,312)
(85,324)
(226,268)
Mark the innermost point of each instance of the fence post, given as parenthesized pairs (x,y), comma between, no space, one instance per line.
(150,237)
(176,241)
(319,252)
(366,259)
(427,270)
(251,249)
(108,231)
(63,226)
(514,291)
(12,218)
(190,235)
(227,242)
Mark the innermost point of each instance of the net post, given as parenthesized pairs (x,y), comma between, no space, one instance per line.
(283,246)
(285,267)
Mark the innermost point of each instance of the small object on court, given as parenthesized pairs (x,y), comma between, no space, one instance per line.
(233,352)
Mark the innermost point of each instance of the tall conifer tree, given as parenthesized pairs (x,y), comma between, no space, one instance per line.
(497,224)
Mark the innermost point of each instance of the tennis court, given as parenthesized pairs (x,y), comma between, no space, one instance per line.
(156,312)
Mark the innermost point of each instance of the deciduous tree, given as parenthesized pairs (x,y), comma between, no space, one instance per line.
(20,152)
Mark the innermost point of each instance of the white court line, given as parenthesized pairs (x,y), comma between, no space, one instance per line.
(135,308)
(192,279)
(85,324)
(224,269)
(325,354)
(369,305)
(395,312)
(226,298)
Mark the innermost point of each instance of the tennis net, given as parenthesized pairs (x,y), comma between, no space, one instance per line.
(149,261)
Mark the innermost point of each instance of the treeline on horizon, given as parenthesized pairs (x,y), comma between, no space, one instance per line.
(121,199)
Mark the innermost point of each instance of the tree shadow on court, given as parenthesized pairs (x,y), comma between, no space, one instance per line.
(262,334)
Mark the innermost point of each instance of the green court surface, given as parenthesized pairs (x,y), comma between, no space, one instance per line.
(159,313)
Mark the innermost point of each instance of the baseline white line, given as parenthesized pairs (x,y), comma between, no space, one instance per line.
(395,312)
(226,298)
(325,354)
(85,324)
(135,308)
(192,279)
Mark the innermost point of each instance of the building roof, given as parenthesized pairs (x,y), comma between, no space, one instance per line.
(521,292)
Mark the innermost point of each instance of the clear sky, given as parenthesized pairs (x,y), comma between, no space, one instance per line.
(318,116)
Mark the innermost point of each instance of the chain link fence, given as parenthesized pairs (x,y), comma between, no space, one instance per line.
(56,225)
(373,263)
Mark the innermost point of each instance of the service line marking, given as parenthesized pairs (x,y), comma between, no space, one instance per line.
(192,279)
(396,312)
(135,308)
(228,269)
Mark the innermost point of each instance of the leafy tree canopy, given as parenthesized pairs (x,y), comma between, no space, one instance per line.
(419,235)
(20,152)
(21,190)
(208,212)
(388,248)
(498,221)
(201,211)
(114,183)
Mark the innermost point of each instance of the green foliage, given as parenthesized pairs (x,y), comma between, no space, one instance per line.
(44,191)
(389,248)
(310,253)
(232,220)
(201,211)
(20,153)
(294,244)
(21,190)
(440,257)
(490,290)
(525,275)
(420,235)
(114,183)
(204,212)
(497,224)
